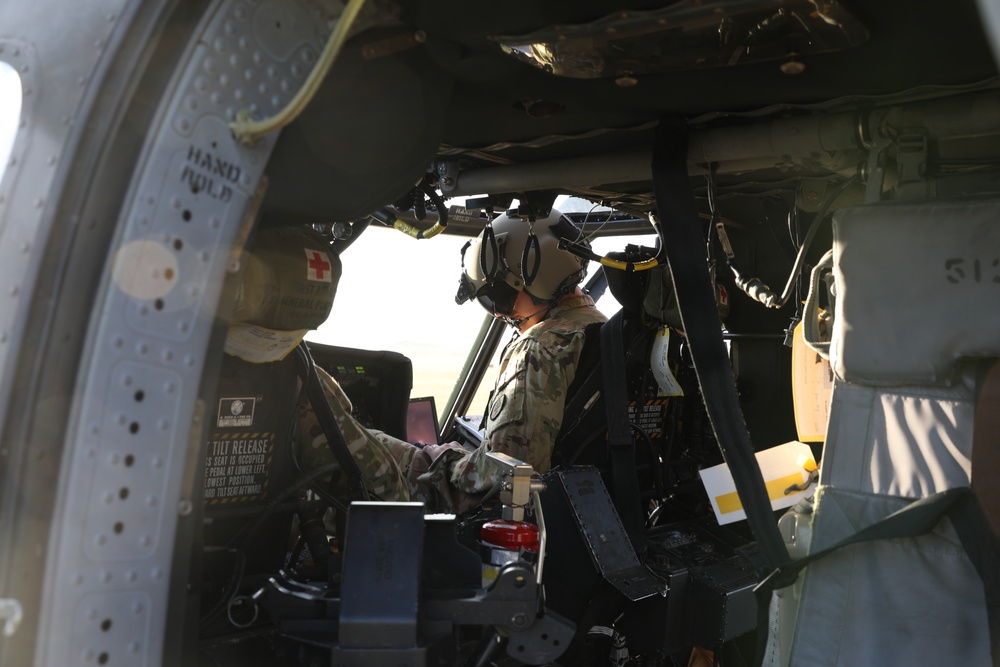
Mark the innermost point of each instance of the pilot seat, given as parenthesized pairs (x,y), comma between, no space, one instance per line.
(258,518)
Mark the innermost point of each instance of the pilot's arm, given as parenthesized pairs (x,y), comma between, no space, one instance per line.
(524,416)
(384,460)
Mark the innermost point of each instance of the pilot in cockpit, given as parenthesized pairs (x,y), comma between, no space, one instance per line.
(516,270)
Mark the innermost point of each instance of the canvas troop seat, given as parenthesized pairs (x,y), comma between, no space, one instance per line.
(916,321)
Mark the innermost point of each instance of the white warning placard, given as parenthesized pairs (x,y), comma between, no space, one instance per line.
(237,467)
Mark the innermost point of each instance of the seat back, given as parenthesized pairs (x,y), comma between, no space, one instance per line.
(917,296)
(285,288)
(582,439)
(250,458)
(377,382)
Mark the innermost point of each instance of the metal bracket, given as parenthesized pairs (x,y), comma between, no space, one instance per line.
(515,490)
(382,600)
(447,171)
(605,535)
(811,194)
(381,573)
(392,45)
(911,164)
(543,641)
(874,166)
(911,155)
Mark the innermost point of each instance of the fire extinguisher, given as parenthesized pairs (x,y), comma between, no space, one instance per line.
(502,542)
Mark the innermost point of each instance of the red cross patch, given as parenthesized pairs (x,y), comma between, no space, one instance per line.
(318,267)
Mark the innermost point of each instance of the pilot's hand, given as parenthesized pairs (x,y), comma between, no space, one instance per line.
(434,451)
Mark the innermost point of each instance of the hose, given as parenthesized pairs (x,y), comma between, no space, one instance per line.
(388,217)
(248,131)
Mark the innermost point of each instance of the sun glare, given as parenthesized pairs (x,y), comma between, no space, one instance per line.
(10,112)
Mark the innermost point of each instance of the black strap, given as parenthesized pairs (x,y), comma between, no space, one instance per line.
(579,429)
(621,446)
(917,518)
(685,249)
(328,422)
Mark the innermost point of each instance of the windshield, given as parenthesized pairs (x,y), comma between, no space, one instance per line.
(399,294)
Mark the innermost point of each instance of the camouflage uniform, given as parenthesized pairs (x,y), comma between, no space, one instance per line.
(523,418)
(381,457)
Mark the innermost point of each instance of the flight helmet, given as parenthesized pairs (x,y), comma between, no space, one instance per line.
(514,255)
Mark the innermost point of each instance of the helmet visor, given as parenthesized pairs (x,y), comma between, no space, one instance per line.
(498,298)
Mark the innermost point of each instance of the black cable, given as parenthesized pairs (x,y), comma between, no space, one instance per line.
(300,483)
(294,428)
(328,497)
(328,422)
(810,235)
(793,226)
(785,250)
(714,220)
(579,250)
(231,588)
(297,551)
(487,650)
(757,289)
(438,202)
(492,493)
(652,451)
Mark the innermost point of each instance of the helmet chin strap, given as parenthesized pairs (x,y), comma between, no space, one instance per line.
(547,306)
(517,322)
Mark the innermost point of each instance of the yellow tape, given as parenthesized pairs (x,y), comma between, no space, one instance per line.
(417,233)
(636,266)
(730,502)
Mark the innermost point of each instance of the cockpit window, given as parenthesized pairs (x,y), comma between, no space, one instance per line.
(10,112)
(398,294)
(607,303)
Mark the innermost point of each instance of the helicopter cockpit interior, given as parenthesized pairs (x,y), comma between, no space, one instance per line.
(772,453)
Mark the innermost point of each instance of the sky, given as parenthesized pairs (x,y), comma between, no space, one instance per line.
(398,293)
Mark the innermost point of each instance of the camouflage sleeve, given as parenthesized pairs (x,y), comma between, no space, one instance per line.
(389,466)
(525,413)
(524,417)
